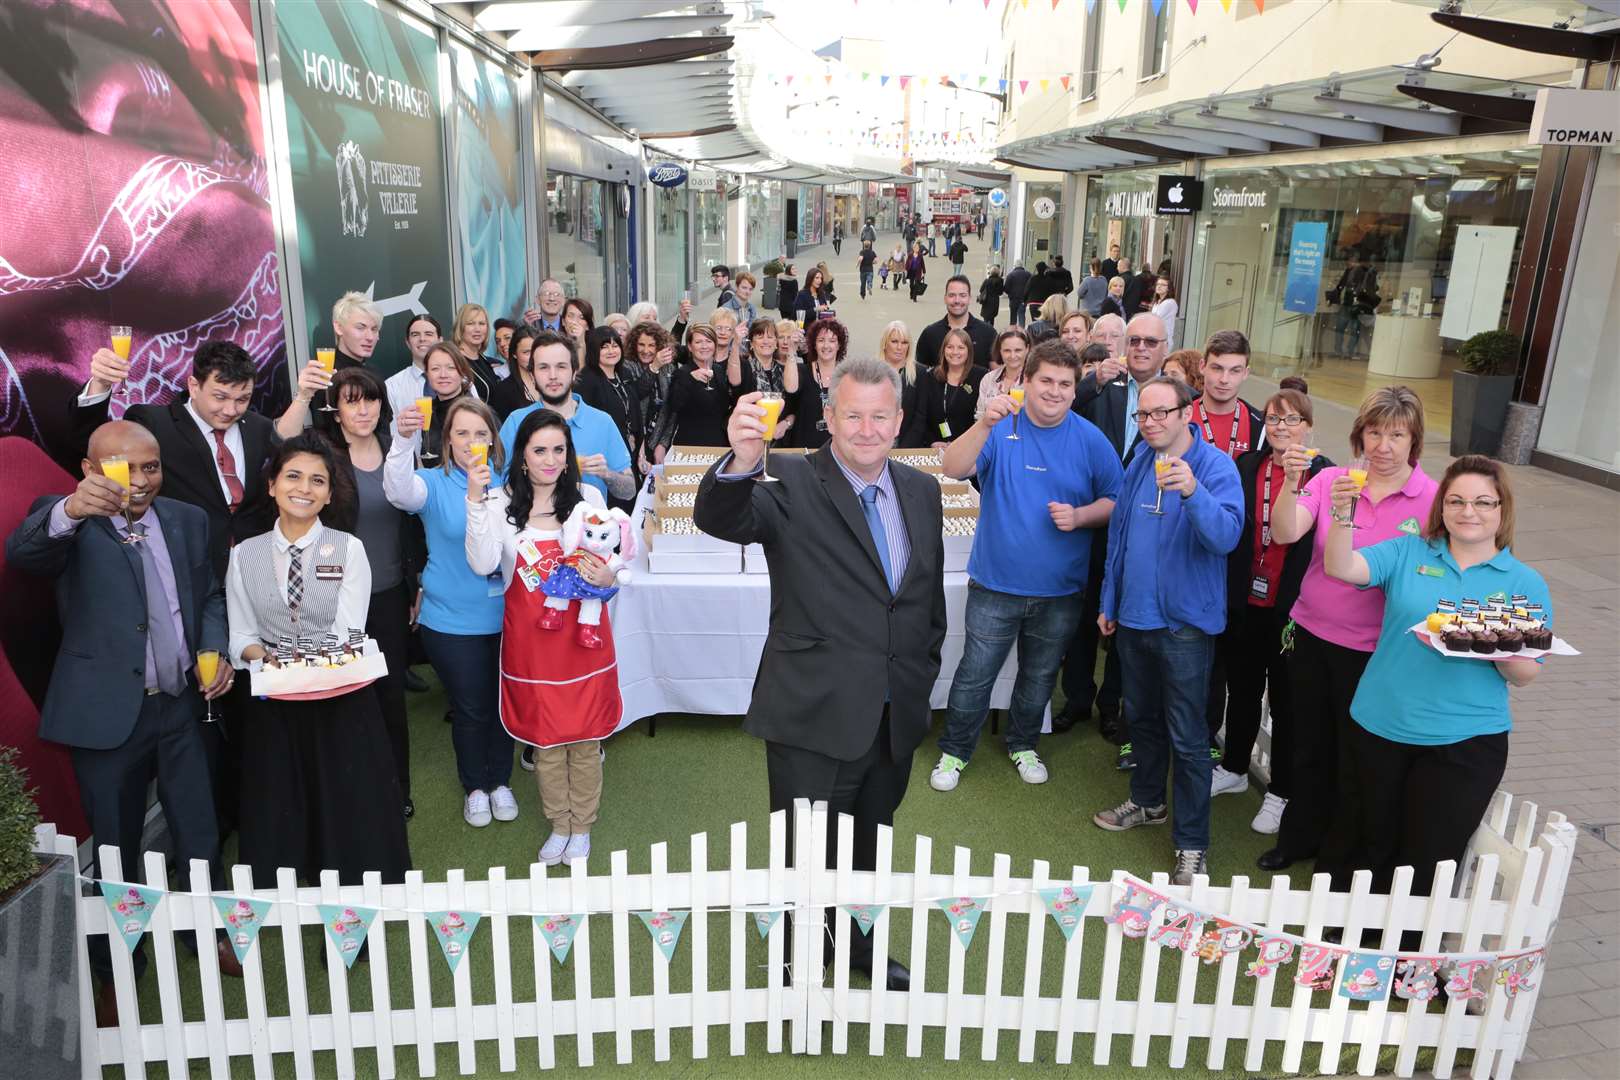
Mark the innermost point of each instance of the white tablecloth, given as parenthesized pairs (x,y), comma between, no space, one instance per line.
(690,643)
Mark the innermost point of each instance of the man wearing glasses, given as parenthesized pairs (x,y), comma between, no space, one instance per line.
(1181,506)
(1224,419)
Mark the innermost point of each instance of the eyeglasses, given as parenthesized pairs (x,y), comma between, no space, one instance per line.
(1482,505)
(1157,414)
(1150,342)
(1291,420)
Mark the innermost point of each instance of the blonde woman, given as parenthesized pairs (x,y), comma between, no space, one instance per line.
(894,349)
(1052,313)
(470,335)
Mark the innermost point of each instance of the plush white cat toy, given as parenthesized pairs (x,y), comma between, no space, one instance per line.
(607,535)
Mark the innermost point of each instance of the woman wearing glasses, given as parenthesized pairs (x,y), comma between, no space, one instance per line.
(1262,581)
(1430,733)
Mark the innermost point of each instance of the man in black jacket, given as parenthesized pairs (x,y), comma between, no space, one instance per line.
(1061,280)
(1110,265)
(958,296)
(1017,287)
(856,556)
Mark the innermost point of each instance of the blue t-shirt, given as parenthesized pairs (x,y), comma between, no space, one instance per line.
(1017,549)
(593,432)
(454,599)
(1411,693)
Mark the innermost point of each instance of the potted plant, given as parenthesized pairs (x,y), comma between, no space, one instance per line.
(36,892)
(771,271)
(1481,390)
(792,243)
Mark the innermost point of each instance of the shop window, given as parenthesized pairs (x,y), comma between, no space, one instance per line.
(1091,53)
(1155,39)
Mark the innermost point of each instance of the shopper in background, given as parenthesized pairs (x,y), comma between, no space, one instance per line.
(1017,285)
(1093,289)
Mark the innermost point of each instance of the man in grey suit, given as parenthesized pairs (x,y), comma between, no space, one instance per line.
(856,556)
(138,598)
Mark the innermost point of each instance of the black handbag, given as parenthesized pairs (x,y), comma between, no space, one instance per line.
(922,287)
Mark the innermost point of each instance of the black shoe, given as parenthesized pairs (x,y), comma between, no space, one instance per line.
(449,717)
(414,682)
(1275,859)
(1065,721)
(410,809)
(1108,726)
(899,975)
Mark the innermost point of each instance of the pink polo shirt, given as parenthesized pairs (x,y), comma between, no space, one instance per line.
(1327,607)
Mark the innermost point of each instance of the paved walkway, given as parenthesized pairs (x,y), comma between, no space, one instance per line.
(1565,748)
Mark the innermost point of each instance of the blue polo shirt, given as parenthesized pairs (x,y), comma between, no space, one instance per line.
(1410,693)
(593,432)
(1017,549)
(454,599)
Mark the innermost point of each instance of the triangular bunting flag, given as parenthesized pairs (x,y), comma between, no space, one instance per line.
(1023,86)
(1192,5)
(1001,84)
(454,929)
(1091,6)
(1054,5)
(983,79)
(243,918)
(883,80)
(905,81)
(1122,5)
(790,80)
(964,912)
(828,77)
(865,75)
(865,915)
(1260,6)
(764,920)
(347,927)
(130,908)
(1064,79)
(1366,976)
(1158,6)
(1226,5)
(1044,84)
(559,931)
(665,928)
(1067,905)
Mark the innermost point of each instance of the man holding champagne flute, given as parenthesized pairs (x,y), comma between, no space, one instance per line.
(356,325)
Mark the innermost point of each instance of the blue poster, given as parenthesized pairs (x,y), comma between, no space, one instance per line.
(1307,252)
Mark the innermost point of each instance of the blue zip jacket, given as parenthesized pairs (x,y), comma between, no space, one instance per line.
(1202,531)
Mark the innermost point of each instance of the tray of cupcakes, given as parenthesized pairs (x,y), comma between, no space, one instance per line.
(1512,630)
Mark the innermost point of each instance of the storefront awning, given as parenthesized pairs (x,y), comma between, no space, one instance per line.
(1382,105)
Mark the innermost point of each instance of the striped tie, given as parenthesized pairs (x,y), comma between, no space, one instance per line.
(295,579)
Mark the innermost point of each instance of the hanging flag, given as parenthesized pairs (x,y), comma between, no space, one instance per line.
(1418,978)
(883,80)
(983,79)
(454,930)
(865,75)
(764,920)
(1091,6)
(1044,84)
(1514,973)
(1366,976)
(559,931)
(1054,5)
(905,81)
(1275,951)
(1226,5)
(1192,5)
(1122,6)
(790,80)
(1260,6)
(665,928)
(243,918)
(1067,906)
(1001,84)
(1133,910)
(1316,966)
(1221,939)
(347,927)
(1064,79)
(865,916)
(130,908)
(1182,929)
(964,912)
(1460,978)
(1023,86)
(828,77)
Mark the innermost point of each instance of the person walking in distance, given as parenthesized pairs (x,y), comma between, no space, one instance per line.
(868,260)
(1016,287)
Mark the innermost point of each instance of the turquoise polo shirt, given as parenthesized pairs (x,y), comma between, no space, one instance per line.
(592,431)
(1410,693)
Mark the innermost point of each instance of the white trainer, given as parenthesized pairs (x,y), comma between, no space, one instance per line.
(503,804)
(947,773)
(1031,770)
(551,853)
(476,809)
(1269,819)
(578,849)
(1222,782)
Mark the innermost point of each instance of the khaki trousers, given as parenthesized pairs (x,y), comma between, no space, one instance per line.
(570,779)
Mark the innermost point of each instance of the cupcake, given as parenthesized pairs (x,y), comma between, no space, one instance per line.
(1438,621)
(1538,637)
(1456,639)
(1485,641)
(1509,640)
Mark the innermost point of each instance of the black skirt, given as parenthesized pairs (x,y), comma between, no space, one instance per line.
(319,791)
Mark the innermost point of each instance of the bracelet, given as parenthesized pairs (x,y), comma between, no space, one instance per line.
(1347,519)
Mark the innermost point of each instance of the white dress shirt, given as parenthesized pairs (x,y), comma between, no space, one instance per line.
(233,440)
(404,387)
(354,594)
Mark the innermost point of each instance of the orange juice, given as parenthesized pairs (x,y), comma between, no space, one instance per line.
(1311,452)
(327,358)
(1359,476)
(773,413)
(1161,467)
(116,469)
(120,344)
(1017,394)
(424,405)
(207,667)
(479,452)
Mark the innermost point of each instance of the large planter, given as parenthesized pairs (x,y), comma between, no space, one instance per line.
(1479,405)
(40,1025)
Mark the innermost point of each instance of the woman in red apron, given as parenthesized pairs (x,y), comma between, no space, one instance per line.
(558,694)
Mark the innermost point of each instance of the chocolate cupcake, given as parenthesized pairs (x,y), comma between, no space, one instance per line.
(1509,640)
(1485,641)
(1456,639)
(1538,637)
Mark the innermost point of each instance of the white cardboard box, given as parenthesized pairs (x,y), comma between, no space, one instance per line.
(754,559)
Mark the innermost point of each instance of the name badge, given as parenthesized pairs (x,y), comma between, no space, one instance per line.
(329,573)
(496,586)
(1259,588)
(945,428)
(528,552)
(1431,571)
(530,577)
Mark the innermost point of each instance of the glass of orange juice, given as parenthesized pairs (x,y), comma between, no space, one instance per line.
(772,404)
(327,359)
(122,337)
(207,672)
(1161,465)
(479,452)
(424,405)
(1357,472)
(1017,394)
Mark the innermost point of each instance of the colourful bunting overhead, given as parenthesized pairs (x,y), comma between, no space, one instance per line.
(1366,976)
(865,915)
(1067,906)
(1064,79)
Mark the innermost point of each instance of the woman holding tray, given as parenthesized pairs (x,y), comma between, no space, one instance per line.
(321,792)
(1430,731)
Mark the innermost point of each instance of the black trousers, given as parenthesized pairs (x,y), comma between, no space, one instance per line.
(167,745)
(869,789)
(1430,799)
(1080,689)
(1320,817)
(1252,661)
(387,622)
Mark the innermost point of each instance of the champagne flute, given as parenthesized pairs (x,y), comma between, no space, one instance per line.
(1161,465)
(1357,473)
(115,467)
(1309,446)
(479,452)
(772,404)
(207,672)
(327,358)
(1017,394)
(122,338)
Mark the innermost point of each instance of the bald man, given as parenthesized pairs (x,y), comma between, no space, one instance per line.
(138,599)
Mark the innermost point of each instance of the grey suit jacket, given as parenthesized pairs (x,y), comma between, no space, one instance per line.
(99,681)
(839,640)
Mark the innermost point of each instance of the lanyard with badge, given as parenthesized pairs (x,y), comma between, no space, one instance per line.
(950,399)
(1260,586)
(815,370)
(1232,436)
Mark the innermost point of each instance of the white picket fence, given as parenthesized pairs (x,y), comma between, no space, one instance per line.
(1510,896)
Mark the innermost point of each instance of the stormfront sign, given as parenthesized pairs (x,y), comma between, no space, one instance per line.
(1575,118)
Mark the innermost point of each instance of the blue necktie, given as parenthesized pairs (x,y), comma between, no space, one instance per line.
(880,538)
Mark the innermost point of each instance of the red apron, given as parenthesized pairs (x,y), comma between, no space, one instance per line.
(553,689)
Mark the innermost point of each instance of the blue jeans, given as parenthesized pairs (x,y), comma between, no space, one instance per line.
(866,282)
(1042,627)
(1020,311)
(469,666)
(1167,692)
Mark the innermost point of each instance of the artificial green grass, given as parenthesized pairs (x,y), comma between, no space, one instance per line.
(700,774)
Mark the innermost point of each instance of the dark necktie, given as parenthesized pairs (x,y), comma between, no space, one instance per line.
(880,538)
(168,654)
(295,579)
(227,468)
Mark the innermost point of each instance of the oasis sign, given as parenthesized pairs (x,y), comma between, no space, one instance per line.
(667,174)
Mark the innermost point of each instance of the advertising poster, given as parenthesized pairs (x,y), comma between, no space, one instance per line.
(489,185)
(132,149)
(365,142)
(1307,252)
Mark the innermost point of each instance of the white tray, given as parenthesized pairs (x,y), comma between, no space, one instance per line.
(1560,647)
(300,681)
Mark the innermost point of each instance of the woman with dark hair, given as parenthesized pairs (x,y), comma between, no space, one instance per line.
(787,290)
(916,272)
(808,304)
(653,349)
(700,399)
(606,383)
(321,792)
(460,616)
(408,383)
(761,370)
(391,540)
(1007,357)
(990,293)
(516,391)
(946,402)
(578,317)
(827,343)
(554,690)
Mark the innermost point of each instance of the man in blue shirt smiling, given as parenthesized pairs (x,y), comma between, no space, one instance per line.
(604,460)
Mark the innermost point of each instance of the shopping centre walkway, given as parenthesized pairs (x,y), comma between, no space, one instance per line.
(1565,747)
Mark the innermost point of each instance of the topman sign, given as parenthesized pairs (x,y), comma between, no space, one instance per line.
(1575,117)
